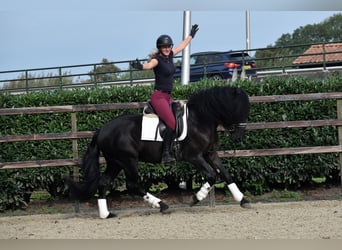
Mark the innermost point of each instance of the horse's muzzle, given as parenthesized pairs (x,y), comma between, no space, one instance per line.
(237,132)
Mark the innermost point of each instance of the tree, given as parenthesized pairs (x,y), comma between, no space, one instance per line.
(39,80)
(330,30)
(104,73)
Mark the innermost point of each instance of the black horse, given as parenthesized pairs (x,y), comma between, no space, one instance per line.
(120,143)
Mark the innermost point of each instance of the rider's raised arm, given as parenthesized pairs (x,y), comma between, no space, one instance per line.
(187,40)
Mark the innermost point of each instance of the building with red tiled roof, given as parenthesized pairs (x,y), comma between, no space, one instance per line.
(330,53)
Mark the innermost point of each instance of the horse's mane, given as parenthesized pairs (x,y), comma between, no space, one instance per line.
(221,105)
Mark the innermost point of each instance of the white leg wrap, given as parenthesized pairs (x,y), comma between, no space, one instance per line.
(103,210)
(203,192)
(152,200)
(235,192)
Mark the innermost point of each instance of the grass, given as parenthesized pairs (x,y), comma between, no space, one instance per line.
(51,210)
(42,200)
(41,210)
(157,188)
(319,180)
(284,194)
(278,195)
(43,203)
(40,195)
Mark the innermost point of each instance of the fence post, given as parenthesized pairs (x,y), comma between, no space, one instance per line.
(75,155)
(339,129)
(324,57)
(130,75)
(26,82)
(212,197)
(95,76)
(283,60)
(60,77)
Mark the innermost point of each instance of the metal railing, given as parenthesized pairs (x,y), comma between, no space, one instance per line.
(119,72)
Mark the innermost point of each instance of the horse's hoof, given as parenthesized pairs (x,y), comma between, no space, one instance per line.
(111,215)
(163,207)
(194,201)
(244,203)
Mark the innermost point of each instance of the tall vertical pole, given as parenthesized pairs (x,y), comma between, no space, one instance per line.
(339,131)
(248,31)
(185,75)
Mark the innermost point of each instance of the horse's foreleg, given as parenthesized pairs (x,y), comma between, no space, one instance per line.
(233,188)
(237,195)
(103,209)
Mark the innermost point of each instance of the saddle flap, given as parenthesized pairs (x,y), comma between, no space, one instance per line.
(178,112)
(153,127)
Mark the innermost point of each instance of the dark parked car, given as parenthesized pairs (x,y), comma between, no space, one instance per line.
(219,65)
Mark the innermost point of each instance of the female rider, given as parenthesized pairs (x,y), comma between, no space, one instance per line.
(161,100)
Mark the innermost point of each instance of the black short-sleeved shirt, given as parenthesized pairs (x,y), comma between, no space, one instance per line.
(164,73)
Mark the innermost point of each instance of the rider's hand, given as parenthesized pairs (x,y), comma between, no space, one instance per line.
(194,29)
(136,64)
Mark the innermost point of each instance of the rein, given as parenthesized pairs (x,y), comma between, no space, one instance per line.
(233,127)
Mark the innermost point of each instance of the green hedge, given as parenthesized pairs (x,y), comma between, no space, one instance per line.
(254,174)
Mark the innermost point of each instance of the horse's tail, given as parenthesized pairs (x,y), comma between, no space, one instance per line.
(90,172)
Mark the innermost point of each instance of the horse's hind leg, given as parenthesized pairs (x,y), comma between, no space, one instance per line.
(133,185)
(210,174)
(104,185)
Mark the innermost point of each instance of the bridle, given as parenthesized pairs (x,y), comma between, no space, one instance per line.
(237,125)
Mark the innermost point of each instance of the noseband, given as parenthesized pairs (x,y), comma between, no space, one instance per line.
(237,125)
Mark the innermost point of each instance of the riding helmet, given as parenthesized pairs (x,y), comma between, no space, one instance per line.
(164,40)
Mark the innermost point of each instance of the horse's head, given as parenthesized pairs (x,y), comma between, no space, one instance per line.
(225,106)
(237,131)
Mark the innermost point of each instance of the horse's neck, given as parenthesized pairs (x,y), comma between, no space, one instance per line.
(206,126)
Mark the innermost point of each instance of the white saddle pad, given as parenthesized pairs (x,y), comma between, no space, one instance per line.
(150,130)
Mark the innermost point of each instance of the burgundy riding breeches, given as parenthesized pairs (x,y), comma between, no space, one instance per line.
(161,103)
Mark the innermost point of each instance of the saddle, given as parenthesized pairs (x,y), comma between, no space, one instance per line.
(158,125)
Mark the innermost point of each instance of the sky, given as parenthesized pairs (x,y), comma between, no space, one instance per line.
(41,33)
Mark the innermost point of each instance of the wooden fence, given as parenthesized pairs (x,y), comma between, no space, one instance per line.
(74,134)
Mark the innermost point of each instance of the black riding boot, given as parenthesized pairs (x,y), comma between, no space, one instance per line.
(167,155)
